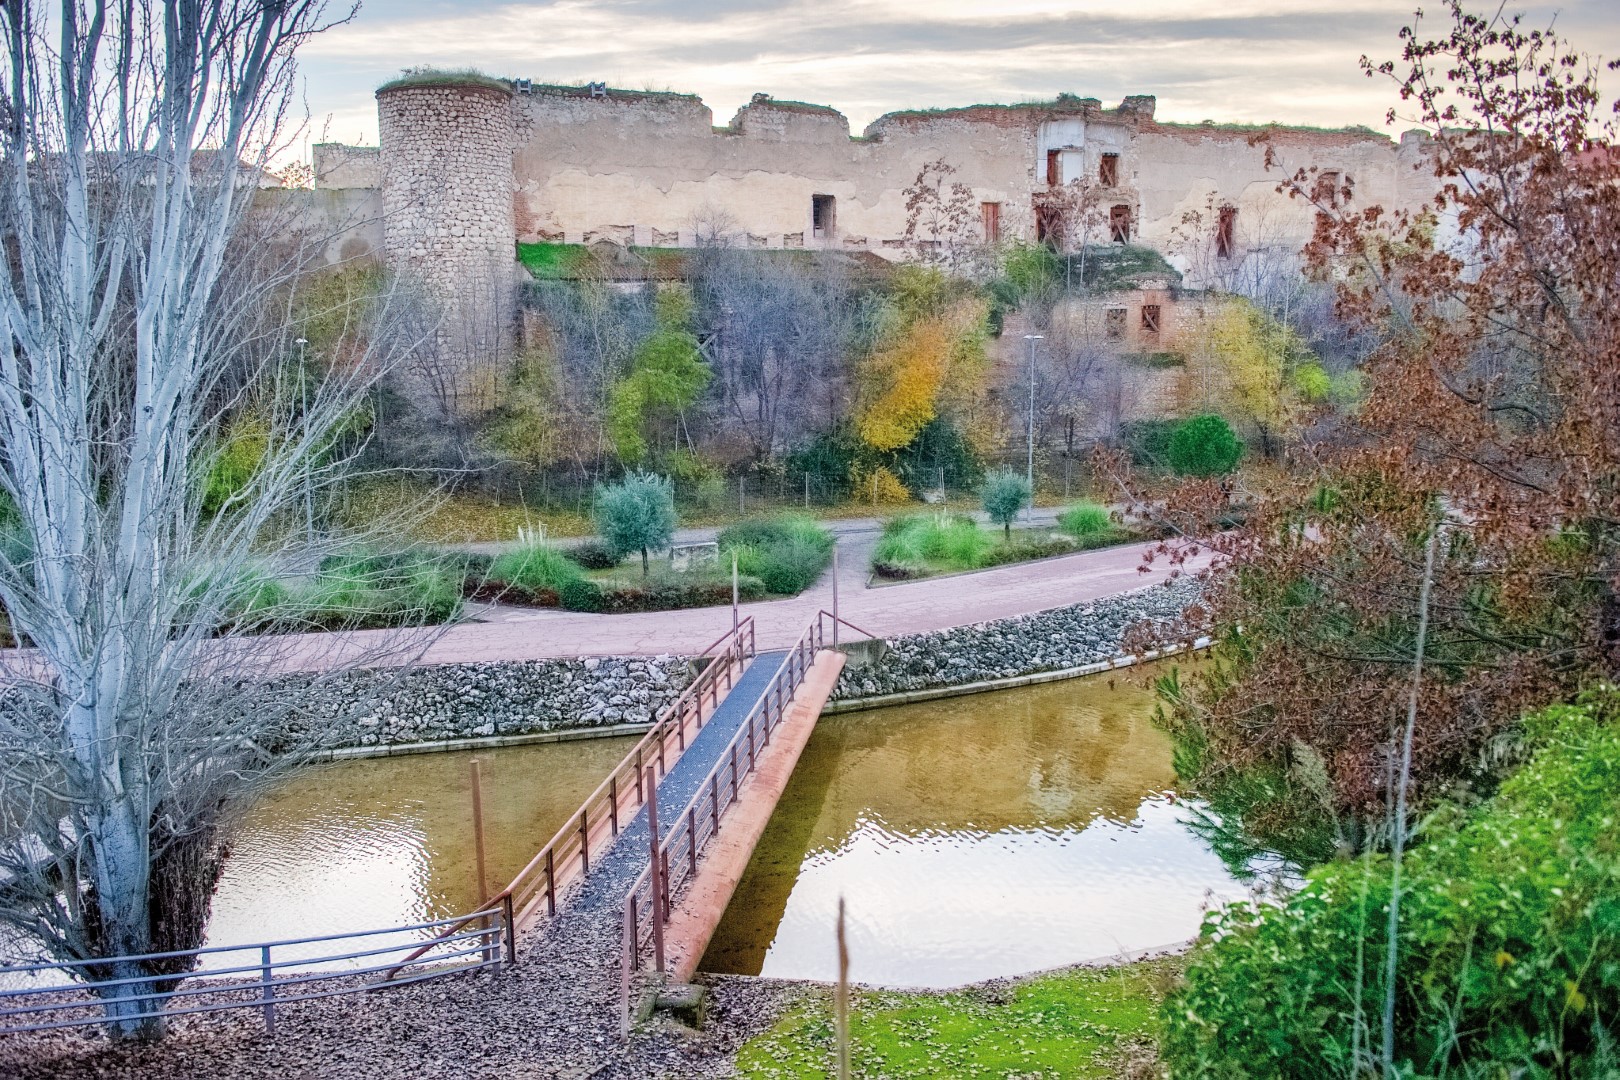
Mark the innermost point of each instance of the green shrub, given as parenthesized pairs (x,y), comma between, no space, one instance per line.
(909,544)
(1085,520)
(379,590)
(592,555)
(1509,939)
(1004,494)
(787,552)
(1205,446)
(1148,440)
(581,594)
(636,514)
(1025,548)
(670,593)
(533,569)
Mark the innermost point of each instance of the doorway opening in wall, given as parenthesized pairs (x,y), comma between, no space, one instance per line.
(1108,171)
(1119,224)
(1226,233)
(1048,224)
(823,216)
(1054,167)
(1150,318)
(990,221)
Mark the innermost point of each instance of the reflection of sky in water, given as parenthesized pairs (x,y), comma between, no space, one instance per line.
(943,908)
(974,838)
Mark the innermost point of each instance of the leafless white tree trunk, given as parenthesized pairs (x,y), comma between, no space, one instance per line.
(133,136)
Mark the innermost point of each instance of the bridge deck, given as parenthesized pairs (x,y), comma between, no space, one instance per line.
(611,875)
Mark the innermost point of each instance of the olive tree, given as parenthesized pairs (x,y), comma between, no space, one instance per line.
(636,514)
(1003,494)
(138,320)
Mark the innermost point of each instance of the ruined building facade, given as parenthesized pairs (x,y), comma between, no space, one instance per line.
(466,169)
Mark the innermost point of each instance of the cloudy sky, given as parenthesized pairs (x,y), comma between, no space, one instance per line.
(1242,60)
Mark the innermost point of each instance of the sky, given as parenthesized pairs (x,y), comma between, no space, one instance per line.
(1251,61)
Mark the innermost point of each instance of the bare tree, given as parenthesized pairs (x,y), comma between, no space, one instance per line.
(941,229)
(135,330)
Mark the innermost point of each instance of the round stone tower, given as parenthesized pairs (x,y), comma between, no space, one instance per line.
(446,168)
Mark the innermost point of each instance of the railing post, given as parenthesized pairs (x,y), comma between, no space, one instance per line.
(691,843)
(750,744)
(627,962)
(641,796)
(653,863)
(714,799)
(511,927)
(551,882)
(584,841)
(613,803)
(735,792)
(268,990)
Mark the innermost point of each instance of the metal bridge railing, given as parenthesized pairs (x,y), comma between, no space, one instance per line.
(484,939)
(673,855)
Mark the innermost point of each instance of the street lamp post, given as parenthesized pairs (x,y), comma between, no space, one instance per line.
(303,399)
(1029,511)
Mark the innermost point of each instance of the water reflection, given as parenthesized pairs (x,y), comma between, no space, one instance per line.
(365,844)
(972,838)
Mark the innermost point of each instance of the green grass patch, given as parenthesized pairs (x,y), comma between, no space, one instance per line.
(787,553)
(1087,1022)
(925,545)
(430,76)
(1085,520)
(362,591)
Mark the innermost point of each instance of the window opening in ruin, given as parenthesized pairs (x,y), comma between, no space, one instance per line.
(823,215)
(1054,167)
(1119,224)
(1330,189)
(1108,172)
(1226,233)
(990,219)
(1150,318)
(1115,324)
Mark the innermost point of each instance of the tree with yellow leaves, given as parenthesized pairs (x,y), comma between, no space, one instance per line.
(1251,368)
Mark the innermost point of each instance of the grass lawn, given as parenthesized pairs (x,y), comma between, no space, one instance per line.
(1084,1022)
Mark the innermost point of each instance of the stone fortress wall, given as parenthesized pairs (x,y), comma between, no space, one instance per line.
(466,171)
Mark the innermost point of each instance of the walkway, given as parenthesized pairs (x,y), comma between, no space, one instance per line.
(886,611)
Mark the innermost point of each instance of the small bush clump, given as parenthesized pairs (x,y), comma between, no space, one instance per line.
(376,590)
(787,553)
(535,574)
(1205,446)
(912,546)
(659,593)
(1085,520)
(592,555)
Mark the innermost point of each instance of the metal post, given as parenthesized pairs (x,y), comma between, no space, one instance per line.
(742,495)
(714,799)
(613,803)
(657,885)
(511,927)
(478,832)
(551,882)
(734,618)
(268,994)
(584,842)
(303,395)
(835,593)
(807,491)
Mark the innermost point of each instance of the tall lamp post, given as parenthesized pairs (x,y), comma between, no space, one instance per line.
(1029,511)
(303,399)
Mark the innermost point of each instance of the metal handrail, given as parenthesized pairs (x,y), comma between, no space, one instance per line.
(692,829)
(489,946)
(541,878)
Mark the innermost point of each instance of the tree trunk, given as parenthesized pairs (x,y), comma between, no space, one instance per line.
(645,569)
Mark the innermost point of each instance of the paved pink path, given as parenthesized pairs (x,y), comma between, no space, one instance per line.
(885,611)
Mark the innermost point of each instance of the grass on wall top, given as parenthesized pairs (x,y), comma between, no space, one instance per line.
(447,77)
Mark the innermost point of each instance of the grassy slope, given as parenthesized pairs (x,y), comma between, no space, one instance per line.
(1084,1022)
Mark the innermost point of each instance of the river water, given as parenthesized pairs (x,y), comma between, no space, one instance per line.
(972,837)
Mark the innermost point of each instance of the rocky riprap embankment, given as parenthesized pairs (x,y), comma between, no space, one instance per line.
(1052,640)
(375,707)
